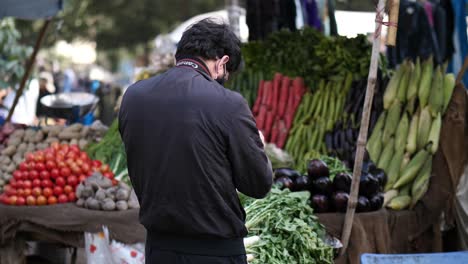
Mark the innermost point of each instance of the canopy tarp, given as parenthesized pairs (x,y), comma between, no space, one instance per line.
(30,9)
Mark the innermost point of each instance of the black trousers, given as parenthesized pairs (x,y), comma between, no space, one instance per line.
(155,256)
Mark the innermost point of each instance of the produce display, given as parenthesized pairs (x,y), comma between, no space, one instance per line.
(309,54)
(341,142)
(316,116)
(288,230)
(100,193)
(276,105)
(247,83)
(329,182)
(406,135)
(21,140)
(51,176)
(111,150)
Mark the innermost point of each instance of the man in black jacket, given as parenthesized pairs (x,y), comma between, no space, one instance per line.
(190,144)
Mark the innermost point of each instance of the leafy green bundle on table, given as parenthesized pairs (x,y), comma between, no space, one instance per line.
(111,150)
(289,231)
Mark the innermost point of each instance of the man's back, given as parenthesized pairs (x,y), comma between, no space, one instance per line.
(190,144)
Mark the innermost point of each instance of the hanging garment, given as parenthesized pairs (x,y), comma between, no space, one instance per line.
(260,18)
(445,28)
(414,38)
(460,39)
(299,15)
(313,18)
(287,14)
(331,16)
(429,8)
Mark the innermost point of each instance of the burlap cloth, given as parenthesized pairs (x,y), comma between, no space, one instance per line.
(376,232)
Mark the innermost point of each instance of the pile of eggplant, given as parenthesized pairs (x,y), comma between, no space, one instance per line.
(330,192)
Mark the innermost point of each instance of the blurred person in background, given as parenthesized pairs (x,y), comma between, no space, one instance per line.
(46,87)
(70,81)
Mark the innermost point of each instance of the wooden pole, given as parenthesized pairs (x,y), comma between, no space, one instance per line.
(362,139)
(29,67)
(394,7)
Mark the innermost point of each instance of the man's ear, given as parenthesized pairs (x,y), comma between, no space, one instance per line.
(225,59)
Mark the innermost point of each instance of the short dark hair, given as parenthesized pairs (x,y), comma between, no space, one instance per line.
(209,39)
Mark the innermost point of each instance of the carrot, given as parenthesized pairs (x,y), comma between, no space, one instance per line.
(275,130)
(298,87)
(268,124)
(267,93)
(283,134)
(258,101)
(283,99)
(261,117)
(276,88)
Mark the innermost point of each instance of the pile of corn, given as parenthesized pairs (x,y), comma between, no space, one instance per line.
(406,135)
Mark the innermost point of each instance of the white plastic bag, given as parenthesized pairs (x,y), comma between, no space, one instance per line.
(122,253)
(99,250)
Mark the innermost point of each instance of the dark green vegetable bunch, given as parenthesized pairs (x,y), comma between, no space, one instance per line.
(288,230)
(309,54)
(110,150)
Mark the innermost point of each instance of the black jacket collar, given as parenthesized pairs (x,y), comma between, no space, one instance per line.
(194,63)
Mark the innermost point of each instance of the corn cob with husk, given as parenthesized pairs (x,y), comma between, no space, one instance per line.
(391,121)
(404,82)
(434,134)
(421,183)
(449,85)
(391,90)
(374,144)
(411,143)
(436,97)
(424,127)
(413,167)
(387,154)
(401,134)
(393,171)
(400,202)
(425,82)
(415,77)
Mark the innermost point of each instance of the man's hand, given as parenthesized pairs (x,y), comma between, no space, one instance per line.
(262,137)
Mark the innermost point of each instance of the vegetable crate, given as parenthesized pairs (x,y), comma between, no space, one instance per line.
(433,258)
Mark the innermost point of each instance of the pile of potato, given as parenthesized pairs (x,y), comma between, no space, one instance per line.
(23,141)
(98,193)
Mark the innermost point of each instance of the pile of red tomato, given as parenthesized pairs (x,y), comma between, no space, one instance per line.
(50,176)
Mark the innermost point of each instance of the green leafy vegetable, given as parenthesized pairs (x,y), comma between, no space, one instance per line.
(289,231)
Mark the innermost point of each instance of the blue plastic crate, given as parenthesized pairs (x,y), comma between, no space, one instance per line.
(433,258)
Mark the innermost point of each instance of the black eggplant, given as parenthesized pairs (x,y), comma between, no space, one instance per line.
(301,183)
(329,141)
(322,185)
(320,203)
(368,185)
(368,166)
(349,135)
(284,182)
(286,172)
(342,182)
(336,139)
(363,205)
(316,168)
(340,201)
(376,201)
(380,175)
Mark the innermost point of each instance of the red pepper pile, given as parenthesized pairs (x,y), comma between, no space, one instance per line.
(275,106)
